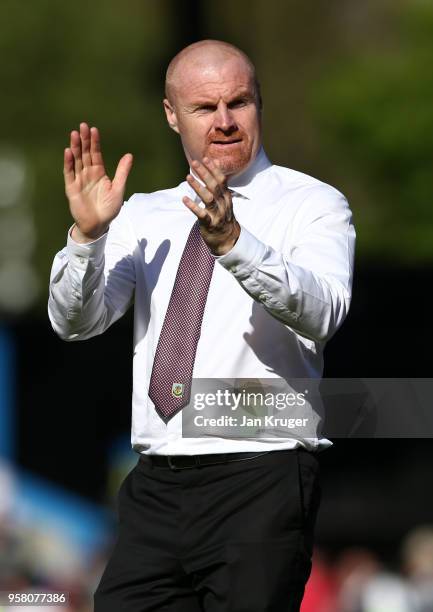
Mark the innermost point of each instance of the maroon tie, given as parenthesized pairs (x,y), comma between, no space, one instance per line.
(170,383)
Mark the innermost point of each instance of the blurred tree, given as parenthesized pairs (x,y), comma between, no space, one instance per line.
(347,89)
(348,94)
(100,62)
(374,109)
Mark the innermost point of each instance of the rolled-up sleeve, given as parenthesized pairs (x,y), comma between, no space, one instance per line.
(308,284)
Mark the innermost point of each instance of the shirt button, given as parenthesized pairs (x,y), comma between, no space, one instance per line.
(233,269)
(262,297)
(76,294)
(81,259)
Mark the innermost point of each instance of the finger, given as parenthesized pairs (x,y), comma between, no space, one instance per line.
(203,193)
(216,170)
(207,177)
(68,167)
(123,168)
(85,144)
(221,180)
(200,213)
(95,147)
(76,151)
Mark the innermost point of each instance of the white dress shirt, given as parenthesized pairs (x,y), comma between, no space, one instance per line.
(274,299)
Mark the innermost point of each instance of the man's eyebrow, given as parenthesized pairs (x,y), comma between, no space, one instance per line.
(204,102)
(244,94)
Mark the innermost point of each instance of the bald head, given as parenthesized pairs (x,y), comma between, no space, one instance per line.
(203,56)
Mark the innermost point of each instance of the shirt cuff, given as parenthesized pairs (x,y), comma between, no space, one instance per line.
(82,253)
(245,255)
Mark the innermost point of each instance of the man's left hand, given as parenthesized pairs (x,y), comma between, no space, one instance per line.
(218,225)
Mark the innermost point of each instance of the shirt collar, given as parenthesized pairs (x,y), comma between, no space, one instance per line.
(250,182)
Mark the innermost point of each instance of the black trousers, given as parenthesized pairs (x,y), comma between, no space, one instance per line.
(235,537)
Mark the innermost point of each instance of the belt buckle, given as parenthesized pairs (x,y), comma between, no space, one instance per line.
(171,465)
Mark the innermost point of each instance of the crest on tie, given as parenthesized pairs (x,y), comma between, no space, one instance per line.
(177,389)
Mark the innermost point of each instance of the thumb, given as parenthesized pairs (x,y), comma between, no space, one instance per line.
(123,168)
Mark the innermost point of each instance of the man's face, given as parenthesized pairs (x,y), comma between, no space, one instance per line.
(216,112)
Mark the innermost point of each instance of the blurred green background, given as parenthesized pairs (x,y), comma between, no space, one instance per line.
(347,87)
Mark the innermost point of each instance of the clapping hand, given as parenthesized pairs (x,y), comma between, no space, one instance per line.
(94,199)
(218,225)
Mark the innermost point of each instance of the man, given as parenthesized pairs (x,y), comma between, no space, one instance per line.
(247,278)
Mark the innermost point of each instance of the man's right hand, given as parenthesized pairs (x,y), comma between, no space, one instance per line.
(94,199)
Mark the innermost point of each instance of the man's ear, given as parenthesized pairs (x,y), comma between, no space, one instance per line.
(171,115)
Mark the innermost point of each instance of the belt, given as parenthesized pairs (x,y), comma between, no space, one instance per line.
(182,462)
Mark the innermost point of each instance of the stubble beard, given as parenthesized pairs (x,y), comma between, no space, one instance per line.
(231,162)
